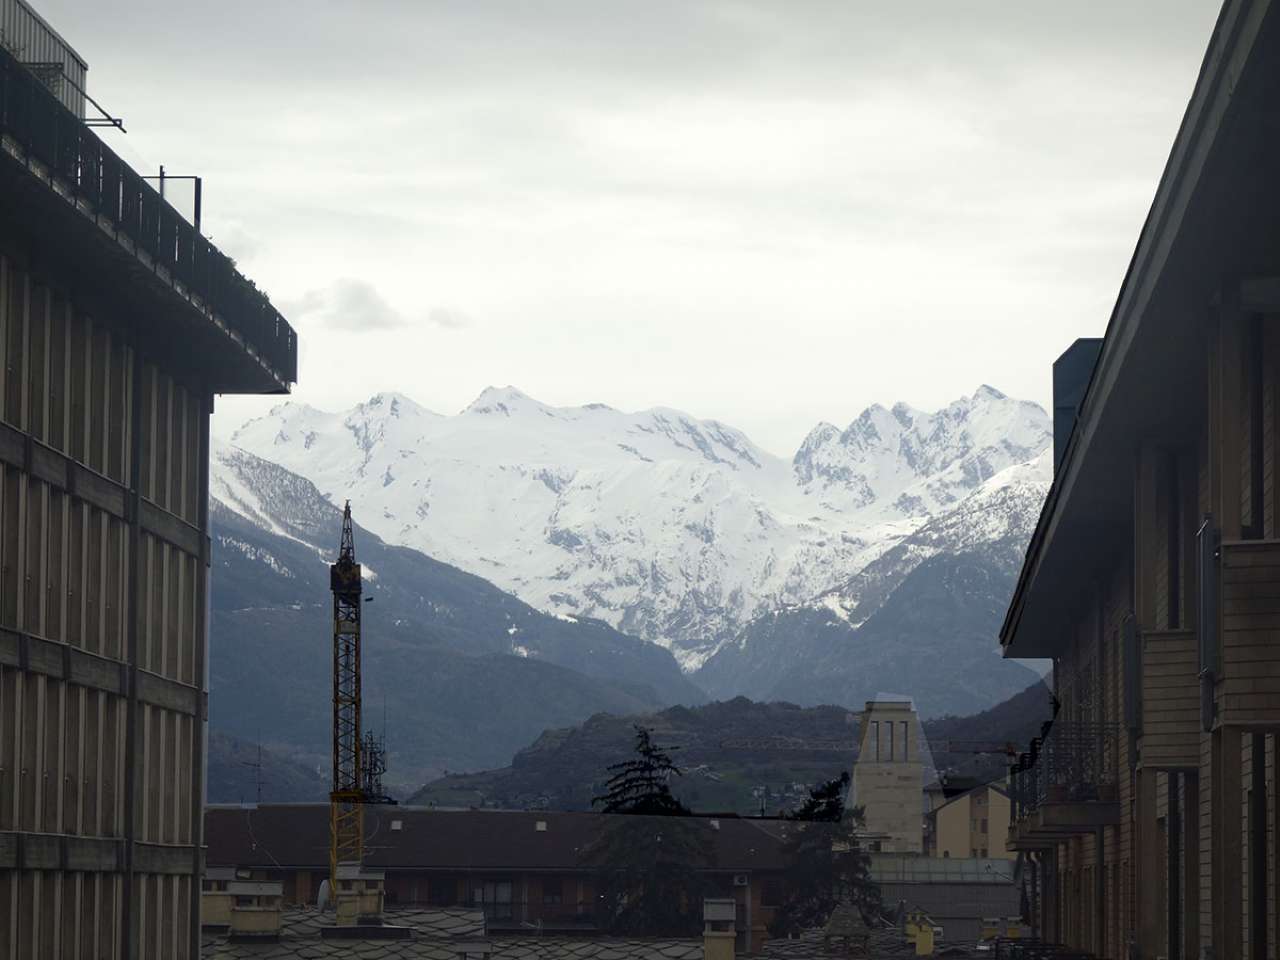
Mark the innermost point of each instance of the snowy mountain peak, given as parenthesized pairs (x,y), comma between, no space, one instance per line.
(392,404)
(505,401)
(910,462)
(667,526)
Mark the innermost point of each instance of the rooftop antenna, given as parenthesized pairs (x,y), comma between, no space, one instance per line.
(256,766)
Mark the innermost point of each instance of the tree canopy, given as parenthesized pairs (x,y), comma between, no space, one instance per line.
(827,863)
(650,865)
(641,785)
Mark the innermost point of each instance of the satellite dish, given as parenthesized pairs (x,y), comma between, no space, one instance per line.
(322,899)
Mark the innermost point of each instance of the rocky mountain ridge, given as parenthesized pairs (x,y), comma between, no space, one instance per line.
(678,530)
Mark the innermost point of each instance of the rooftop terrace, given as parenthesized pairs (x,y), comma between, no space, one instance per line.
(84,207)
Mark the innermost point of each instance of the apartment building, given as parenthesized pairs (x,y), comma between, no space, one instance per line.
(118,325)
(1146,811)
(525,870)
(973,824)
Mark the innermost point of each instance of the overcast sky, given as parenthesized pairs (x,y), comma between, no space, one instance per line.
(769,213)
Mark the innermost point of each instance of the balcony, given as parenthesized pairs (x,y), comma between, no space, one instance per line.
(1066,784)
(82,203)
(1248,674)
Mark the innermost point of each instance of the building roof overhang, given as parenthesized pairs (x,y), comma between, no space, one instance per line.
(70,207)
(1210,230)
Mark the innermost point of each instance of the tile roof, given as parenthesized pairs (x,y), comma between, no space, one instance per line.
(297,835)
(437,936)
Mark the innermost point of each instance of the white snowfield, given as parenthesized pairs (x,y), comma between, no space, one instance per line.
(675,529)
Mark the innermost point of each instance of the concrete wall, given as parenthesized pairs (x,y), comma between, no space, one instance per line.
(103,582)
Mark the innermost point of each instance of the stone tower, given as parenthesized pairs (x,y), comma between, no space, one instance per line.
(888,777)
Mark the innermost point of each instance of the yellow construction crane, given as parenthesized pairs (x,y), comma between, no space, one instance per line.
(346,821)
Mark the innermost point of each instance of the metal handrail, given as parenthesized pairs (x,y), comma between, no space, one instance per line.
(47,131)
(1073,762)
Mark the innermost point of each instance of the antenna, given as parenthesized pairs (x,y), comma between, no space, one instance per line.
(256,766)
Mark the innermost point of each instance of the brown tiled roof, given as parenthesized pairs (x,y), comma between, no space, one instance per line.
(297,835)
(435,936)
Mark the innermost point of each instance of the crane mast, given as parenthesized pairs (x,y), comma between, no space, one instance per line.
(346,822)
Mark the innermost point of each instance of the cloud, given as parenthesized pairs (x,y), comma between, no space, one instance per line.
(619,196)
(350,304)
(448,317)
(346,304)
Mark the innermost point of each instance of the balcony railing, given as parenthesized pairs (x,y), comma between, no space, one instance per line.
(32,117)
(1069,763)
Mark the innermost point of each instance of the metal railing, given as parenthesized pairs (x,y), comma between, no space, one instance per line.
(47,131)
(1069,762)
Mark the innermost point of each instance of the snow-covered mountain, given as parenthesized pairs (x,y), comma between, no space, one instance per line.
(936,597)
(678,530)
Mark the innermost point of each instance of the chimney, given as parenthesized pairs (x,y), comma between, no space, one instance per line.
(1071,373)
(359,897)
(719,933)
(255,910)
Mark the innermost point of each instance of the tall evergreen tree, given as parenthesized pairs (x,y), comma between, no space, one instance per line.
(825,801)
(641,784)
(650,863)
(827,863)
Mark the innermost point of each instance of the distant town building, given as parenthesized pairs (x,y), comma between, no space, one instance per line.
(962,896)
(972,824)
(118,324)
(1146,811)
(523,870)
(888,776)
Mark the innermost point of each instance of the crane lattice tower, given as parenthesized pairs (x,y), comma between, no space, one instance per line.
(346,821)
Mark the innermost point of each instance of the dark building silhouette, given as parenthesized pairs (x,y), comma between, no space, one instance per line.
(118,325)
(1146,812)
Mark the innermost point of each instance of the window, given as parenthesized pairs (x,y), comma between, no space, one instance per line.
(552,890)
(771,892)
(494,897)
(442,891)
(984,852)
(984,826)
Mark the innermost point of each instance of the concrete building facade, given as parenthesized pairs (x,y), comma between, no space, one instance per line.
(1146,809)
(888,776)
(118,325)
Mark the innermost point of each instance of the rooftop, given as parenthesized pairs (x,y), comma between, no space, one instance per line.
(1211,228)
(422,838)
(437,935)
(86,213)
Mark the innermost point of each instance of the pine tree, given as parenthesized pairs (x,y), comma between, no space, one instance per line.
(640,785)
(828,865)
(650,863)
(825,801)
